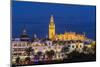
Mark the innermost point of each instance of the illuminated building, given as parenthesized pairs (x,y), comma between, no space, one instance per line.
(76,43)
(51,28)
(19,46)
(66,36)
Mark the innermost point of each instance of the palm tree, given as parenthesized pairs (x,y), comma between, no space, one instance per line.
(39,54)
(50,54)
(65,51)
(18,60)
(29,50)
(27,60)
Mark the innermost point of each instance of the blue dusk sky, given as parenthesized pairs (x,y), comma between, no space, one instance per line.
(35,18)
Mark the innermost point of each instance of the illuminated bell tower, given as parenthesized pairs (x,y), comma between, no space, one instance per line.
(51,28)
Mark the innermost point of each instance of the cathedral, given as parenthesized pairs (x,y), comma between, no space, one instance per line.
(63,37)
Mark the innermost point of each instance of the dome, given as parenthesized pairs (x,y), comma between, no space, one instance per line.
(24,36)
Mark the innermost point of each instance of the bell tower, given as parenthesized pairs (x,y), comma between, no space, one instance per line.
(51,28)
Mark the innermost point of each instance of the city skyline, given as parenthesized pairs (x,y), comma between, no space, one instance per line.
(50,33)
(39,22)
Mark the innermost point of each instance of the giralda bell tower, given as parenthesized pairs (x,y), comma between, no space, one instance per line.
(51,28)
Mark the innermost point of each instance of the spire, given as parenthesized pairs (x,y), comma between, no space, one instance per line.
(84,33)
(51,20)
(35,36)
(46,36)
(24,32)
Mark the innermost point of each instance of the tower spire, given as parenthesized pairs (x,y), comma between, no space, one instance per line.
(24,32)
(52,20)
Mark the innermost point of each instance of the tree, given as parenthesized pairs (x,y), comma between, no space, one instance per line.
(65,49)
(29,50)
(27,60)
(39,54)
(50,54)
(18,60)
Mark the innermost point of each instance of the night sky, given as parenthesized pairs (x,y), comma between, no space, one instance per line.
(35,18)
